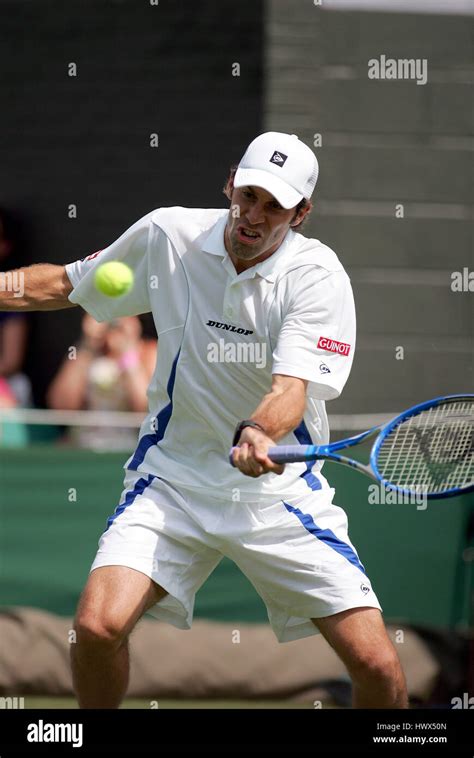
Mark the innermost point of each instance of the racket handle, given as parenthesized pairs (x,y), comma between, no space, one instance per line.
(288,453)
(291,453)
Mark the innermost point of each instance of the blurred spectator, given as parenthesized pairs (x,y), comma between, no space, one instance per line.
(110,372)
(15,388)
(7,398)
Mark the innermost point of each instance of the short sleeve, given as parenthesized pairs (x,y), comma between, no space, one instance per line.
(131,248)
(317,336)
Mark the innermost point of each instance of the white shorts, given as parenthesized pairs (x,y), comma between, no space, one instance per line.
(296,553)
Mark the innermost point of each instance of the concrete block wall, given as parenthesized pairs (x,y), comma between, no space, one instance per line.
(386,145)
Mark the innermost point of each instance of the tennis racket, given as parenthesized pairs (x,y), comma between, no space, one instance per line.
(427,449)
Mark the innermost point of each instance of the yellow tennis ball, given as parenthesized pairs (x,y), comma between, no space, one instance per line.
(113,278)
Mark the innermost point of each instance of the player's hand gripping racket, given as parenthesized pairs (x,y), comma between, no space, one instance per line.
(427,449)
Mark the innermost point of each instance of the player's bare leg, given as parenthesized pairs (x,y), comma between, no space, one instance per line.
(114,599)
(360,639)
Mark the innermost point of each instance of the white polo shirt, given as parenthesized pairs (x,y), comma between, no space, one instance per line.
(221,336)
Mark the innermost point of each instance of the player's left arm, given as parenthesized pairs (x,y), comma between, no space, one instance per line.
(279,412)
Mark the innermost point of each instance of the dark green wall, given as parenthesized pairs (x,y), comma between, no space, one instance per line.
(386,144)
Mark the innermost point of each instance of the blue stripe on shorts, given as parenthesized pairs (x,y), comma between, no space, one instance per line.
(138,489)
(327,536)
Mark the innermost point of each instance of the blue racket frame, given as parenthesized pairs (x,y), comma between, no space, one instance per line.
(328,452)
(385,431)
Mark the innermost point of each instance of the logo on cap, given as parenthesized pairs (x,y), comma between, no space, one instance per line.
(278,158)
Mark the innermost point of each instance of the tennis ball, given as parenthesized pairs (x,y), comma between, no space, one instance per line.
(113,278)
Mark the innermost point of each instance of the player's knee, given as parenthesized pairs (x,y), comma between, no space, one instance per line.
(379,668)
(94,631)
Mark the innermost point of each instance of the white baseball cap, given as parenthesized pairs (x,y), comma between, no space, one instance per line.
(280,164)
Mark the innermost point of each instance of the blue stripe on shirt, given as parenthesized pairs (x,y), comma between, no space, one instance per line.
(160,423)
(304,438)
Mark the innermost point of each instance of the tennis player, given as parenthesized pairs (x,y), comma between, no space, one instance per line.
(256,330)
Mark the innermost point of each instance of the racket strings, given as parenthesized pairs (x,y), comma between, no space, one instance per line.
(432,451)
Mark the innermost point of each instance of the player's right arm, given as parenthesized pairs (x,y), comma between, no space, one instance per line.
(40,287)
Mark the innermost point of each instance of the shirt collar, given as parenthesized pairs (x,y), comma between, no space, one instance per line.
(267,269)
(214,242)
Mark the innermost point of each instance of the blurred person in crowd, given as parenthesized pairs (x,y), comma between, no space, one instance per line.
(15,388)
(7,398)
(109,371)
